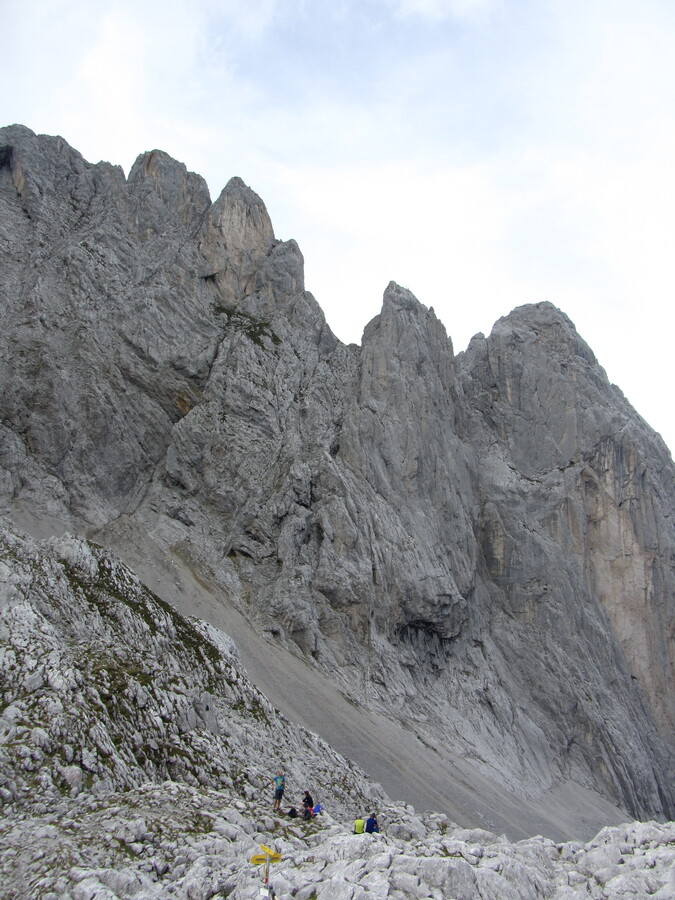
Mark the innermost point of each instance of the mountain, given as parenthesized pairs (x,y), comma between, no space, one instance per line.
(459,569)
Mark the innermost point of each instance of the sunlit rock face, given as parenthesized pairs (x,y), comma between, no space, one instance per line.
(481,545)
(607,476)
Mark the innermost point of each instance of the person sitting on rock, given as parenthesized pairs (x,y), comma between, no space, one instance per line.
(359,825)
(372,824)
(307,801)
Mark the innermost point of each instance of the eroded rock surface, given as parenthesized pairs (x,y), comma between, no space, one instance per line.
(480,545)
(173,840)
(106,688)
(135,762)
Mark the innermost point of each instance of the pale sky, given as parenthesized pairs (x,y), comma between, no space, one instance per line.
(482,153)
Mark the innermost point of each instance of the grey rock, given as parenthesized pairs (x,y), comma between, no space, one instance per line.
(99,620)
(479,546)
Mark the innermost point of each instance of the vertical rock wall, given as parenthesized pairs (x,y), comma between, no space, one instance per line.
(481,546)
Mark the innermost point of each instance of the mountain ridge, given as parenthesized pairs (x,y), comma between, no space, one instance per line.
(480,545)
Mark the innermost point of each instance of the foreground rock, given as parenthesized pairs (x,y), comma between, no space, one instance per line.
(480,546)
(173,840)
(105,687)
(135,762)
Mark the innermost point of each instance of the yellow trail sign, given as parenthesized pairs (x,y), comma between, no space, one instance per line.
(267,856)
(273,855)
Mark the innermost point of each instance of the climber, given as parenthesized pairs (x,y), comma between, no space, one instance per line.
(372,824)
(359,825)
(279,785)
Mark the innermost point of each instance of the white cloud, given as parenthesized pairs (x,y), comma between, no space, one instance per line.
(249,18)
(588,232)
(437,10)
(438,232)
(110,70)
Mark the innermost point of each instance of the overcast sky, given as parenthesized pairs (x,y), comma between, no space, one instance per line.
(482,153)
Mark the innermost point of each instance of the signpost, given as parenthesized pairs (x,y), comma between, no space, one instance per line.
(265,858)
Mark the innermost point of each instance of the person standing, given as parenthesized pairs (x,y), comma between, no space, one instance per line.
(279,785)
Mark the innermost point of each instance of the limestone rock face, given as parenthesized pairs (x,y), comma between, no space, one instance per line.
(481,545)
(135,761)
(600,481)
(107,688)
(235,237)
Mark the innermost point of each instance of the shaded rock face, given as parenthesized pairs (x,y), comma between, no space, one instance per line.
(481,545)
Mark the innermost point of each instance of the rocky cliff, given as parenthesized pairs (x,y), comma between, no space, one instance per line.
(107,688)
(480,546)
(135,761)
